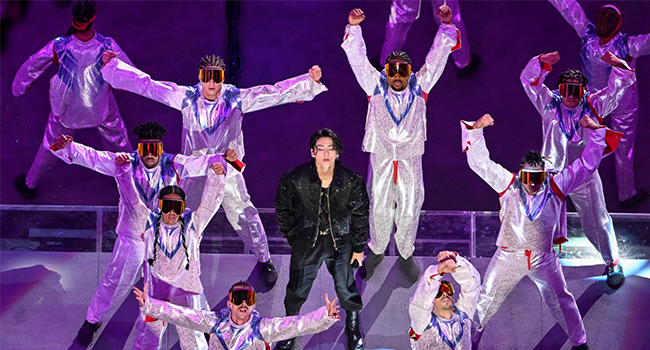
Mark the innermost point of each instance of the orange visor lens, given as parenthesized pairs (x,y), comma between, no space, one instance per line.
(205,75)
(536,177)
(447,287)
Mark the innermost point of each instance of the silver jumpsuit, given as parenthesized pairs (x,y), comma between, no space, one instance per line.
(79,96)
(395,135)
(256,334)
(212,127)
(626,115)
(429,331)
(172,265)
(563,141)
(529,227)
(128,253)
(402,15)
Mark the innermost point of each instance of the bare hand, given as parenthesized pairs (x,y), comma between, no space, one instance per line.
(444,13)
(448,266)
(61,142)
(141,295)
(358,257)
(612,60)
(446,255)
(550,58)
(108,56)
(332,308)
(315,73)
(122,159)
(230,155)
(587,122)
(217,168)
(356,16)
(485,120)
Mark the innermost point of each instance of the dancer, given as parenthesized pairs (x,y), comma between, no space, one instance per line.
(402,15)
(533,218)
(564,140)
(598,39)
(239,326)
(212,116)
(79,97)
(436,321)
(153,169)
(395,135)
(171,259)
(322,210)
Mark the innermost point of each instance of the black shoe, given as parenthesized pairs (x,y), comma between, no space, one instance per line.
(21,185)
(353,331)
(370,264)
(615,276)
(286,344)
(640,196)
(410,269)
(86,333)
(474,63)
(581,347)
(268,273)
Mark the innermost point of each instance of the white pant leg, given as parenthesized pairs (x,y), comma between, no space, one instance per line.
(547,274)
(121,275)
(402,15)
(113,131)
(624,155)
(381,191)
(244,217)
(589,201)
(189,339)
(461,56)
(505,270)
(409,198)
(44,159)
(149,335)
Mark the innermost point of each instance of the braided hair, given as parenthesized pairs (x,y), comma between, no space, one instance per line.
(150,131)
(399,55)
(212,61)
(164,192)
(532,158)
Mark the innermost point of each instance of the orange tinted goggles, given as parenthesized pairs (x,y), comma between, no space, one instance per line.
(153,148)
(167,205)
(445,286)
(207,74)
(401,68)
(239,296)
(570,89)
(532,176)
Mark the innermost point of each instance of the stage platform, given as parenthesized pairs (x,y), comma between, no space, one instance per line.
(52,258)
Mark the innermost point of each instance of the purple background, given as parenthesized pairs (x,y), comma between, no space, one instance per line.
(281,39)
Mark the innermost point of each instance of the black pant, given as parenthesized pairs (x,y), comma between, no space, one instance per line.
(305,262)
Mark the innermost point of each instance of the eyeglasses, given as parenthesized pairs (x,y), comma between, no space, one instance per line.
(207,74)
(401,68)
(167,205)
(445,286)
(535,176)
(153,148)
(239,296)
(572,89)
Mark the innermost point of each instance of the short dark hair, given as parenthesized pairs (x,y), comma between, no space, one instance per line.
(241,285)
(572,74)
(83,12)
(532,158)
(325,132)
(171,189)
(609,21)
(150,131)
(398,55)
(212,61)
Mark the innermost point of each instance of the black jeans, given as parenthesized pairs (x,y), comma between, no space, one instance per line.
(305,262)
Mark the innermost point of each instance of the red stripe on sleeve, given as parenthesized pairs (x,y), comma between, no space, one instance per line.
(510,184)
(556,189)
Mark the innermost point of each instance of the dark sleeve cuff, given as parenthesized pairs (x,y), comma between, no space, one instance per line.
(358,248)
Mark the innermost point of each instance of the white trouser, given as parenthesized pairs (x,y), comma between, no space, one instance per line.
(624,154)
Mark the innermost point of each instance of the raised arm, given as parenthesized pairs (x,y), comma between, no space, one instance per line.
(532,80)
(29,71)
(355,49)
(301,88)
(575,174)
(284,209)
(605,101)
(72,152)
(425,293)
(470,286)
(447,39)
(124,76)
(282,328)
(478,156)
(573,14)
(639,45)
(212,196)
